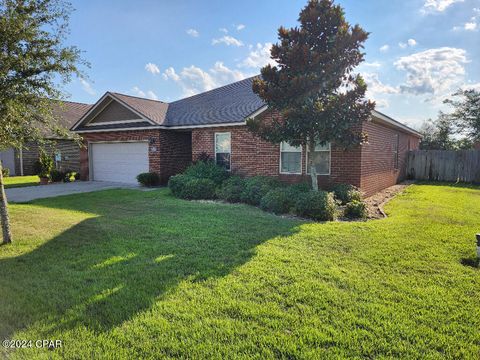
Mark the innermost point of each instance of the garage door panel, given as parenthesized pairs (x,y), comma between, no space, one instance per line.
(120,162)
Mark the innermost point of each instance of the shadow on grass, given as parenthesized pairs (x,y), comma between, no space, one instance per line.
(471,262)
(104,270)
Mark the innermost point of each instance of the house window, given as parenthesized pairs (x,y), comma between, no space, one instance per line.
(321,159)
(223,149)
(396,140)
(290,159)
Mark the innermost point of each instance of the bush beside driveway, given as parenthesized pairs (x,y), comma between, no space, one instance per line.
(131,274)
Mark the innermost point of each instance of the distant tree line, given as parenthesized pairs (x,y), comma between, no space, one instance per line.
(458,130)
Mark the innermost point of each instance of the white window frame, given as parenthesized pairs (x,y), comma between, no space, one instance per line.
(215,147)
(329,161)
(280,161)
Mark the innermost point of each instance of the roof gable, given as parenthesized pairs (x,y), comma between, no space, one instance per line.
(111,111)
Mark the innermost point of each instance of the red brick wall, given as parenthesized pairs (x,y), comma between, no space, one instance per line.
(253,156)
(175,153)
(169,151)
(378,170)
(370,167)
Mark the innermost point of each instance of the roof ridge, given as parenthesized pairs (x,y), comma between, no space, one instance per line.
(137,97)
(73,102)
(214,89)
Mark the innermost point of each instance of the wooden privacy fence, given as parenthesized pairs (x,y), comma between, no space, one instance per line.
(444,165)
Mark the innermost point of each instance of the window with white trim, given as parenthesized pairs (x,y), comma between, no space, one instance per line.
(290,159)
(223,149)
(321,159)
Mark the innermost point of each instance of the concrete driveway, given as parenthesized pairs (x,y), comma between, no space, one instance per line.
(25,194)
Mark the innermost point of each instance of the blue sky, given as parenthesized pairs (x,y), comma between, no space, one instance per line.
(419,51)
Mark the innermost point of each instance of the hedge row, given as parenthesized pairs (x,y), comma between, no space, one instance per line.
(205,180)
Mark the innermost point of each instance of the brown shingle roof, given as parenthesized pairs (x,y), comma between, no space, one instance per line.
(152,109)
(67,113)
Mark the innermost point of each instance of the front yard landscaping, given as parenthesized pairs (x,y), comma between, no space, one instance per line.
(133,274)
(20,181)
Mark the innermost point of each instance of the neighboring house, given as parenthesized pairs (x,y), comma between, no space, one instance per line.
(66,151)
(126,135)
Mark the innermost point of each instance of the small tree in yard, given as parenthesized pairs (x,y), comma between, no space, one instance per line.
(33,60)
(313,86)
(466,115)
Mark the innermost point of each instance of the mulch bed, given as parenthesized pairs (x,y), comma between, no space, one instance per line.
(376,202)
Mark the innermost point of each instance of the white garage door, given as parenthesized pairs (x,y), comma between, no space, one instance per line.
(119,162)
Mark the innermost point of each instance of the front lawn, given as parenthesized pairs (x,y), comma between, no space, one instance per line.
(21,181)
(132,274)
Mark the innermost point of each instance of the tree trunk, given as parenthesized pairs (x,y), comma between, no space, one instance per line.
(311,165)
(7,234)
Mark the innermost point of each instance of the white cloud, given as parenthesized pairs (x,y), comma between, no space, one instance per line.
(240,27)
(87,87)
(152,68)
(376,86)
(193,33)
(471,26)
(140,93)
(170,74)
(433,72)
(227,40)
(471,87)
(194,80)
(376,90)
(384,48)
(409,43)
(136,90)
(224,30)
(412,42)
(258,57)
(430,6)
(152,95)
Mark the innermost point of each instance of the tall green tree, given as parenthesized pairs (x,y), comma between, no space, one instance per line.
(313,86)
(466,113)
(34,62)
(438,134)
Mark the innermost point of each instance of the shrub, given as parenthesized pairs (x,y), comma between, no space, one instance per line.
(346,193)
(5,172)
(317,205)
(76,175)
(356,210)
(207,170)
(231,189)
(148,179)
(177,184)
(70,176)
(57,175)
(300,188)
(257,187)
(278,201)
(44,165)
(191,188)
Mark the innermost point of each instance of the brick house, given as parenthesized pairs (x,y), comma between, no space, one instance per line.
(126,135)
(66,151)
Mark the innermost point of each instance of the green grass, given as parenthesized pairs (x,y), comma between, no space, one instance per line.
(132,274)
(21,181)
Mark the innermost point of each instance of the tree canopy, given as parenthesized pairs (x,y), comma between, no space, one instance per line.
(313,87)
(34,62)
